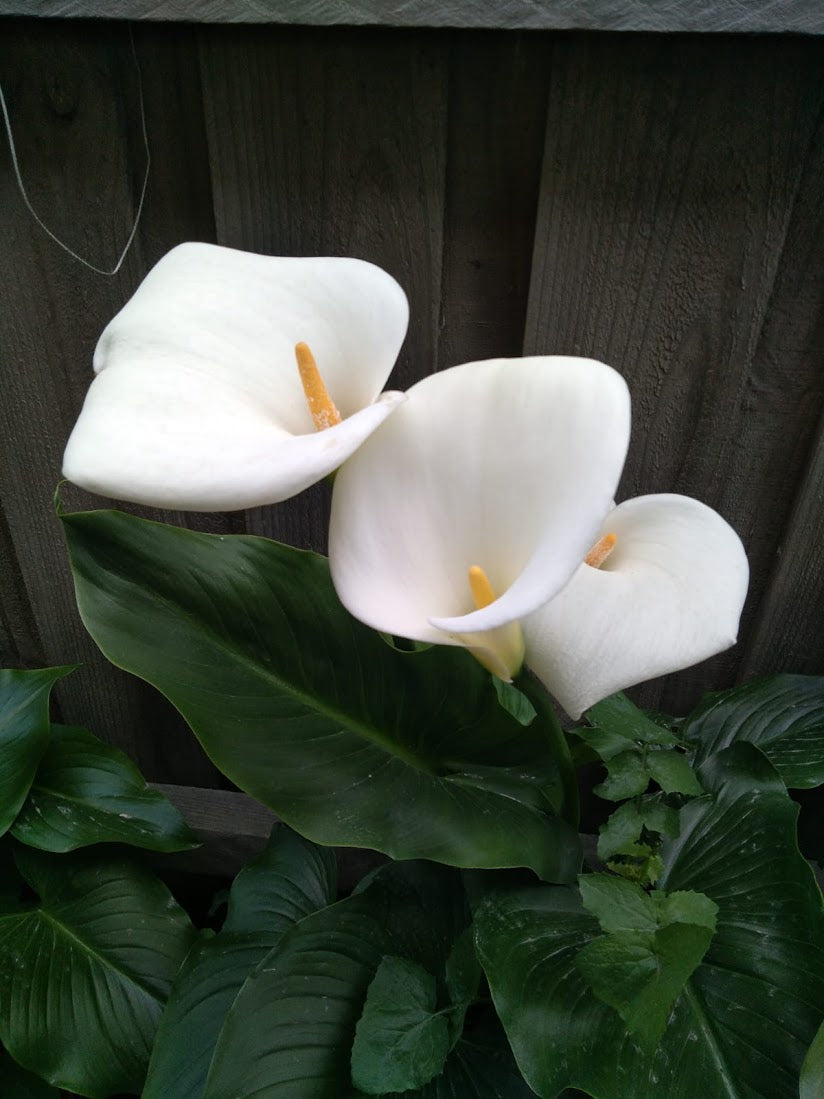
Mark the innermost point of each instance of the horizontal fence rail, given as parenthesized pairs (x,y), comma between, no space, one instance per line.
(661,16)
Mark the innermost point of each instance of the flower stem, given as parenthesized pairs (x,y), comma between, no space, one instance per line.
(570,809)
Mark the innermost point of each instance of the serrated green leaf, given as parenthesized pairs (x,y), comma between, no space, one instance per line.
(627,776)
(88,792)
(24,733)
(84,972)
(481,1066)
(401,1041)
(621,717)
(673,772)
(603,742)
(289,880)
(623,828)
(616,904)
(783,715)
(685,906)
(290,1031)
(249,641)
(641,974)
(746,1016)
(514,702)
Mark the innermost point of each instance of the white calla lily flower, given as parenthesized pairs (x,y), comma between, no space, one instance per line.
(197,401)
(477,501)
(669,594)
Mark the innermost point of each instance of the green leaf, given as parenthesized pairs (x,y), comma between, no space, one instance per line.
(640,974)
(481,1066)
(88,792)
(290,1031)
(673,772)
(627,776)
(289,880)
(514,702)
(616,904)
(85,971)
(741,767)
(462,977)
(623,828)
(309,711)
(24,733)
(653,944)
(19,1083)
(812,1071)
(783,715)
(746,1015)
(401,1040)
(620,717)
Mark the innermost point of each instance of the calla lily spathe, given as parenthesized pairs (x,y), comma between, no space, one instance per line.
(197,402)
(512,465)
(507,465)
(669,594)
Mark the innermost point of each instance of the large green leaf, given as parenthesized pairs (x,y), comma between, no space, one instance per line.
(783,715)
(291,879)
(290,1031)
(24,733)
(87,792)
(346,739)
(742,1025)
(85,971)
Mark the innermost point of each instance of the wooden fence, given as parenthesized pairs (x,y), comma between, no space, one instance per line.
(652,200)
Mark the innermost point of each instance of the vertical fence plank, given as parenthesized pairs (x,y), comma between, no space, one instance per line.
(497,116)
(74,104)
(331,142)
(789,634)
(669,181)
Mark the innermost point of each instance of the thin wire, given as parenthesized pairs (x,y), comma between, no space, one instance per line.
(33,212)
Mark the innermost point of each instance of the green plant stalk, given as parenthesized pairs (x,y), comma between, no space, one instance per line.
(534,690)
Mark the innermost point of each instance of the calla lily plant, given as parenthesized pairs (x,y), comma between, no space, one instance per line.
(474,514)
(480,513)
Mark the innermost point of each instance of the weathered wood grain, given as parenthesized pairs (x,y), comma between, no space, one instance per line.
(233,828)
(797,16)
(332,142)
(789,635)
(73,98)
(497,114)
(671,178)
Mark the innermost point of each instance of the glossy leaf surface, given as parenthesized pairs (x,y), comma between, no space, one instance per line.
(291,879)
(742,1025)
(783,715)
(347,740)
(401,1040)
(24,733)
(289,1034)
(84,972)
(88,792)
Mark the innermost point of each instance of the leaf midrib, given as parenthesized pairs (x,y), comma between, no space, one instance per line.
(705,1026)
(102,960)
(310,702)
